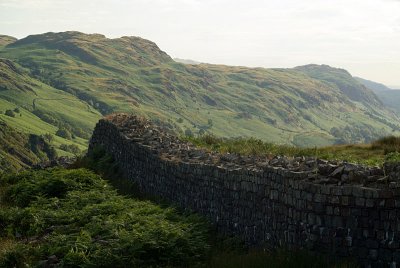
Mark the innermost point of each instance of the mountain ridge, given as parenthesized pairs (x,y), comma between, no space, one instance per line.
(304,106)
(390,97)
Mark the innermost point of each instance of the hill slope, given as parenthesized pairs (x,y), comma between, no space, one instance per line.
(43,109)
(19,150)
(6,40)
(389,97)
(311,105)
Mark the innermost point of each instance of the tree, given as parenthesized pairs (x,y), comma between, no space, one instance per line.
(16,110)
(188,133)
(48,137)
(72,148)
(63,133)
(180,120)
(10,113)
(210,122)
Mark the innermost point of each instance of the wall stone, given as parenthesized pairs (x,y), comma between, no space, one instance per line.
(265,205)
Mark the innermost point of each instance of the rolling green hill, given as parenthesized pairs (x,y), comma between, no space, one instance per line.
(69,80)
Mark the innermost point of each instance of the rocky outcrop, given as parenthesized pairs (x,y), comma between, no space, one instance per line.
(332,207)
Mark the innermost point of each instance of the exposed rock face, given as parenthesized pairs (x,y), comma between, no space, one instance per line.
(337,208)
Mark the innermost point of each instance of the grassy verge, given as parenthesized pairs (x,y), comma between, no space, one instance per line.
(367,154)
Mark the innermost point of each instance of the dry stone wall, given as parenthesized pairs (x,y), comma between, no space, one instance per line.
(351,212)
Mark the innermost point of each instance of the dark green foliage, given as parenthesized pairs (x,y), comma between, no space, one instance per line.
(10,113)
(39,146)
(48,137)
(77,217)
(188,133)
(388,144)
(18,150)
(72,148)
(64,133)
(355,133)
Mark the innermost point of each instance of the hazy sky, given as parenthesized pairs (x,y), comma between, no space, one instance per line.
(362,36)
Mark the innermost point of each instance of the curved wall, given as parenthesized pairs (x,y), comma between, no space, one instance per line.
(272,206)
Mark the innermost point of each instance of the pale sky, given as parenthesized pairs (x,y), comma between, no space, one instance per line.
(362,36)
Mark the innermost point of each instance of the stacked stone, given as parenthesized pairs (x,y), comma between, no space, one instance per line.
(297,203)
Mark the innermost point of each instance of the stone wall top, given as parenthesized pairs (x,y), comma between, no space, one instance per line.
(169,147)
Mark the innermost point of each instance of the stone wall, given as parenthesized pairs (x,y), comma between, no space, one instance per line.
(264,204)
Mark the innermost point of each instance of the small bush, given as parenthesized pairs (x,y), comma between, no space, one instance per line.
(10,113)
(48,137)
(188,133)
(72,148)
(63,133)
(388,144)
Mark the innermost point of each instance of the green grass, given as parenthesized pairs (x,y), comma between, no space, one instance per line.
(373,154)
(79,218)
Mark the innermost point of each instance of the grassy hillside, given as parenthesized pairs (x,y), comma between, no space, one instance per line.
(19,150)
(389,97)
(374,86)
(5,40)
(43,109)
(75,78)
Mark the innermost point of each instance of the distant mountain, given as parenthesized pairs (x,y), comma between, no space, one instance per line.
(187,61)
(391,98)
(67,81)
(341,78)
(6,40)
(374,86)
(388,96)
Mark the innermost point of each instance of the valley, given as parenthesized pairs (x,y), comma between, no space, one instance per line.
(63,83)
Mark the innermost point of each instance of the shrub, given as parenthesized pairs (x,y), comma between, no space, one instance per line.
(48,137)
(63,133)
(16,110)
(388,144)
(188,133)
(10,113)
(72,148)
